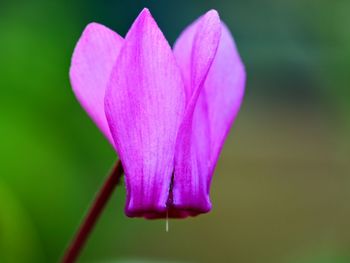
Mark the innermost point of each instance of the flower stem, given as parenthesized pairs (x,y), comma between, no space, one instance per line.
(92,216)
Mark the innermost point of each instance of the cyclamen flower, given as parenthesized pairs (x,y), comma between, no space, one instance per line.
(166,112)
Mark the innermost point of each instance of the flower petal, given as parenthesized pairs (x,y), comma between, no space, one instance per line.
(144,106)
(93,58)
(222,95)
(196,49)
(215,99)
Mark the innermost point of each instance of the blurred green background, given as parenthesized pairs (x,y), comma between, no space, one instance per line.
(281,192)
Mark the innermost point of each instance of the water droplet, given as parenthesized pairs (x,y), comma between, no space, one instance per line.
(167,222)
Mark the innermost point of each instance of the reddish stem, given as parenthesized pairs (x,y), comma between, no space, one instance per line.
(95,211)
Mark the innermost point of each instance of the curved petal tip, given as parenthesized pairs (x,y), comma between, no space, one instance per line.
(92,62)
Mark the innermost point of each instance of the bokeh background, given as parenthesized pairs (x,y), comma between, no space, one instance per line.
(281,192)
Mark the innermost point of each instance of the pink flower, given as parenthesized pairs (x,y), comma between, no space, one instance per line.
(166,112)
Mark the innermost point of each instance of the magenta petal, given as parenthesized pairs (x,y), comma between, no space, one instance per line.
(222,96)
(190,188)
(196,49)
(93,58)
(216,86)
(144,106)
